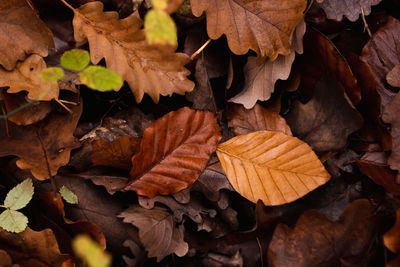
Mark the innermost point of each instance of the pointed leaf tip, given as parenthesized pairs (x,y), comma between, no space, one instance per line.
(20,195)
(68,195)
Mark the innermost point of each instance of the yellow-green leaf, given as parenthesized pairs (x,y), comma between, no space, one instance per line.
(75,59)
(90,252)
(68,195)
(51,74)
(160,28)
(159,4)
(100,78)
(13,221)
(271,166)
(19,196)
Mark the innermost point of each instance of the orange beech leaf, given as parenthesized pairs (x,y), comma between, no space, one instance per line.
(173,153)
(117,154)
(271,166)
(263,26)
(149,69)
(22,33)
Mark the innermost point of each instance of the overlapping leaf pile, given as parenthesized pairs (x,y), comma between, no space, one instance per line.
(248,133)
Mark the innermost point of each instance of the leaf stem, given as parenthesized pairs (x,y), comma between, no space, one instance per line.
(199,50)
(68,5)
(2,206)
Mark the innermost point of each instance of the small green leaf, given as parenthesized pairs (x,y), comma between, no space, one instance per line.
(100,78)
(19,196)
(160,28)
(13,221)
(68,195)
(90,251)
(51,74)
(75,59)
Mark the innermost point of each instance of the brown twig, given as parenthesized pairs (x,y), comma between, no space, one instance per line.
(68,102)
(6,120)
(200,49)
(68,5)
(261,251)
(309,6)
(370,35)
(62,104)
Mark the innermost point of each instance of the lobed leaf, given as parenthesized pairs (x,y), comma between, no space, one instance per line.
(20,195)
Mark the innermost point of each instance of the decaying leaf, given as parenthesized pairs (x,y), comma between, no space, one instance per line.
(391,238)
(26,77)
(259,118)
(393,77)
(22,34)
(271,166)
(117,154)
(316,241)
(173,152)
(383,54)
(147,69)
(258,25)
(43,147)
(336,9)
(327,119)
(157,231)
(31,248)
(391,115)
(260,79)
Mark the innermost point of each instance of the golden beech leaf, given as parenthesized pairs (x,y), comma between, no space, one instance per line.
(271,166)
(149,69)
(173,152)
(263,26)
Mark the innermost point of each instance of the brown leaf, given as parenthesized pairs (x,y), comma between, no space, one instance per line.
(391,115)
(336,9)
(327,119)
(260,79)
(43,147)
(157,231)
(391,238)
(147,69)
(22,34)
(271,166)
(173,152)
(383,54)
(32,114)
(31,248)
(243,121)
(256,25)
(393,77)
(25,77)
(316,241)
(117,154)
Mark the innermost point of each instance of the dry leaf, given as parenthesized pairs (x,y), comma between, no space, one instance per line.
(327,119)
(383,54)
(153,70)
(271,166)
(391,115)
(157,231)
(243,121)
(173,152)
(391,238)
(258,25)
(31,248)
(26,78)
(22,34)
(316,241)
(43,147)
(393,77)
(260,79)
(117,154)
(336,9)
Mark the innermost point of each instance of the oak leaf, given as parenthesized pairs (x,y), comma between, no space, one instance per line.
(43,147)
(26,77)
(336,9)
(147,69)
(271,166)
(258,25)
(173,152)
(157,231)
(393,77)
(22,34)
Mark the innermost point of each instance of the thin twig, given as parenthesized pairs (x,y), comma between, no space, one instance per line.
(309,6)
(6,124)
(200,49)
(62,104)
(261,251)
(68,5)
(370,35)
(67,102)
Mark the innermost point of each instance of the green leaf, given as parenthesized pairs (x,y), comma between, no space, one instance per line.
(51,74)
(68,195)
(90,252)
(160,28)
(19,196)
(100,78)
(13,221)
(75,59)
